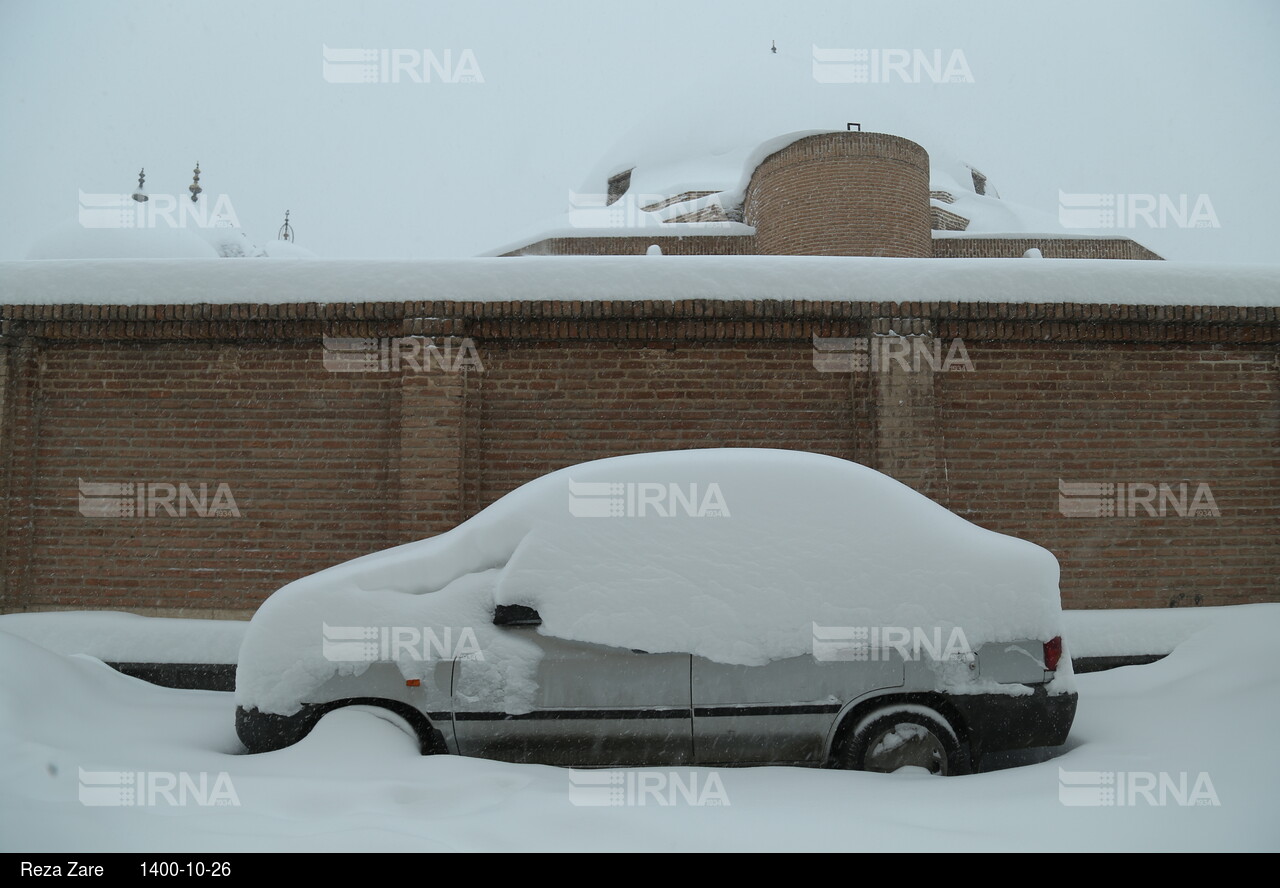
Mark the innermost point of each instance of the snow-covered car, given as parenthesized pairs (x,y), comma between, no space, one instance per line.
(732,606)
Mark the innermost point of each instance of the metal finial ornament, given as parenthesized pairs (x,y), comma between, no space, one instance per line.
(773,45)
(286,230)
(194,187)
(141,196)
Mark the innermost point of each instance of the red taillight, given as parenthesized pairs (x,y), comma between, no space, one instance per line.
(1052,653)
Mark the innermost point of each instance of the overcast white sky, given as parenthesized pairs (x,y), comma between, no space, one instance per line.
(1143,97)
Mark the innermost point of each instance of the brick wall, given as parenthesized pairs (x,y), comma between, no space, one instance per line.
(842,194)
(325,466)
(1050,247)
(637,245)
(1136,414)
(546,405)
(944,220)
(307,457)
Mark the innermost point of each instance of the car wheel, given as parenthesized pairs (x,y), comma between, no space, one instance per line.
(900,737)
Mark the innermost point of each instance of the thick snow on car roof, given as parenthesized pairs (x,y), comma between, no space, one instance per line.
(729,554)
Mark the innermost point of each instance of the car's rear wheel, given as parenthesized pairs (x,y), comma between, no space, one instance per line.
(264,732)
(902,737)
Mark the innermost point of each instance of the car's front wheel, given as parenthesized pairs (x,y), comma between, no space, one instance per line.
(906,736)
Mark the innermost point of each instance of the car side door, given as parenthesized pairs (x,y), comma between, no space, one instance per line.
(591,705)
(779,712)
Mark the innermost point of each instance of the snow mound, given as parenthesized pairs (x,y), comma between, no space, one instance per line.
(728,554)
(1128,632)
(88,693)
(356,730)
(129,638)
(230,242)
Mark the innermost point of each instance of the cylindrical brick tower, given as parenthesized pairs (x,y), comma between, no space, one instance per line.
(842,194)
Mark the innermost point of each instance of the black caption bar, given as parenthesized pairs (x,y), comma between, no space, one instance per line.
(158,868)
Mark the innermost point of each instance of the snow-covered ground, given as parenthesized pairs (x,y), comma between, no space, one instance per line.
(1176,755)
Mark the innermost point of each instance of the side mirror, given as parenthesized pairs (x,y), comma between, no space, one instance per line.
(515,615)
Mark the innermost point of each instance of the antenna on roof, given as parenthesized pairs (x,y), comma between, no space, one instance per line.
(774,45)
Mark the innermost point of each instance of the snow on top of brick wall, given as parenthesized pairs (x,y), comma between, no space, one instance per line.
(554,278)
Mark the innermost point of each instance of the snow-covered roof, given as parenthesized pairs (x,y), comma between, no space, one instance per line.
(559,278)
(723,166)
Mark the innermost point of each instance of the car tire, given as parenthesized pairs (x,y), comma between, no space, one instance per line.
(888,739)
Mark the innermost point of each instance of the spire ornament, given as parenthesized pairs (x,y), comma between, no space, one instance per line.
(140,195)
